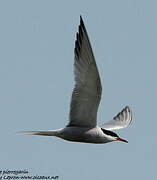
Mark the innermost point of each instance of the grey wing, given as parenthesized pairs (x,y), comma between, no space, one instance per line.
(87,91)
(121,120)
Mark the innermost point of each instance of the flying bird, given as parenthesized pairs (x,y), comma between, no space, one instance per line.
(86,96)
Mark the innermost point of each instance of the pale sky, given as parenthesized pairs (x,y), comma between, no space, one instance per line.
(36,80)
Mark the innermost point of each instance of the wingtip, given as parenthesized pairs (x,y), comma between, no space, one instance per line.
(80,17)
(127,108)
(81,21)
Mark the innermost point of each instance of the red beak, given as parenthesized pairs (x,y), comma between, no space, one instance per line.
(121,139)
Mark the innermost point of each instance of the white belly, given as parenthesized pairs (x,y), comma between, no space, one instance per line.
(83,134)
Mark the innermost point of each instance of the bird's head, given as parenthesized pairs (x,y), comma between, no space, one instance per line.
(112,136)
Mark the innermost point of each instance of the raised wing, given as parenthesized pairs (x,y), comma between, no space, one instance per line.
(121,120)
(87,91)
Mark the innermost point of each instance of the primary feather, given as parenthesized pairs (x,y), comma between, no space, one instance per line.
(121,120)
(87,91)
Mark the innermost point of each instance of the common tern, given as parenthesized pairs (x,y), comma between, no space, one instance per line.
(86,96)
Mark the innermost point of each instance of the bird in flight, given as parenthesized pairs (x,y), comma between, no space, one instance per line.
(86,96)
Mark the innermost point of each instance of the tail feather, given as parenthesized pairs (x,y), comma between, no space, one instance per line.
(42,133)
